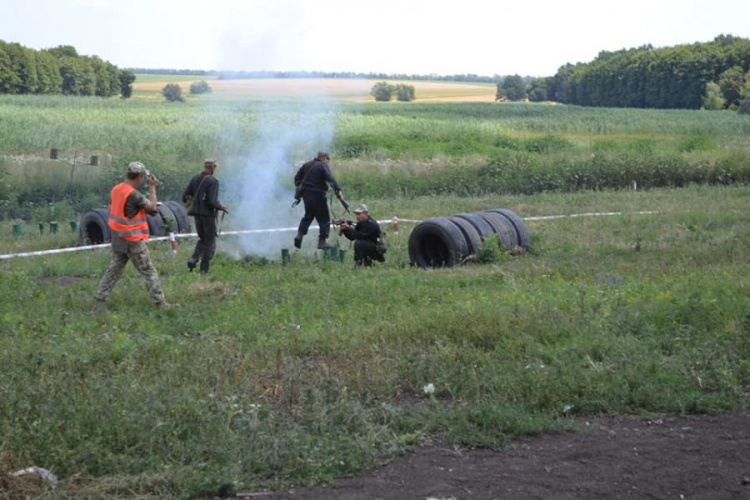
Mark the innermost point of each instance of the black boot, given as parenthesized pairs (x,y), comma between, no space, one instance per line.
(322,245)
(298,240)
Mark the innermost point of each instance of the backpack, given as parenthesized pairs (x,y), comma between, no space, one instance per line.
(298,188)
(190,199)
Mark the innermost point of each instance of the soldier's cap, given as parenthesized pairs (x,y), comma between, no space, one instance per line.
(208,161)
(138,168)
(362,209)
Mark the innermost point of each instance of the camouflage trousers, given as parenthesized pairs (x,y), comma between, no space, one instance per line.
(138,253)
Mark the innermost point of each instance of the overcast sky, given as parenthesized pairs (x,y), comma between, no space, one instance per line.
(532,37)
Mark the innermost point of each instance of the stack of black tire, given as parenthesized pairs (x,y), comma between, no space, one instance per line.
(447,241)
(171,217)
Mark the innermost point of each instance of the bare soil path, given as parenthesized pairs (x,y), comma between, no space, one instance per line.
(706,458)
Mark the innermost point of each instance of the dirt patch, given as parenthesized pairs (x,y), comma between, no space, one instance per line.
(701,458)
(61,281)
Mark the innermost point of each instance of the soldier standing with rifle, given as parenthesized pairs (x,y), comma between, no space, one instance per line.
(127,221)
(203,194)
(312,182)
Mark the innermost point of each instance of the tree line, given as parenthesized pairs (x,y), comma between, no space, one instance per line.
(60,70)
(679,77)
(247,75)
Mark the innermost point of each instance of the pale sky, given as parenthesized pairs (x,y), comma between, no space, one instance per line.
(406,36)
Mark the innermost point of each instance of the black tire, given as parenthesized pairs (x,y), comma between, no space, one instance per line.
(168,218)
(506,232)
(472,236)
(183,220)
(437,242)
(523,235)
(480,224)
(156,226)
(94,228)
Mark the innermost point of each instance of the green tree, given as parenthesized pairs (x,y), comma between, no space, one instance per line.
(731,83)
(200,87)
(382,91)
(669,77)
(88,77)
(23,64)
(114,79)
(71,72)
(744,107)
(405,92)
(103,80)
(63,51)
(173,92)
(126,83)
(48,71)
(713,99)
(511,88)
(538,90)
(9,80)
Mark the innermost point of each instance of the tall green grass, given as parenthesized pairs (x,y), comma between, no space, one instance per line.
(468,148)
(271,375)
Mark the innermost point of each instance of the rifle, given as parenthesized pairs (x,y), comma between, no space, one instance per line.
(345,205)
(338,222)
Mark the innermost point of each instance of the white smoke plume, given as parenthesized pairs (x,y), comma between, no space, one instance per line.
(257,182)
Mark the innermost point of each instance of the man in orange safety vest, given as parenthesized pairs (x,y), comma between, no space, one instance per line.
(129,227)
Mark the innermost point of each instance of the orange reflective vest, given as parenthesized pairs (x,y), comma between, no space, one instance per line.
(131,229)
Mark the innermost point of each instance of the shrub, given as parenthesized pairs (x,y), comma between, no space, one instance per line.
(173,92)
(200,87)
(744,107)
(382,91)
(405,92)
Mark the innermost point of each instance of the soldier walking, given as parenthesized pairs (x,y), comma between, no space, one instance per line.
(127,221)
(204,190)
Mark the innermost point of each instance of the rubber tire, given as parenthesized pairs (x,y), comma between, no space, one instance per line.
(480,224)
(506,232)
(94,228)
(168,218)
(437,242)
(156,226)
(183,220)
(523,235)
(472,236)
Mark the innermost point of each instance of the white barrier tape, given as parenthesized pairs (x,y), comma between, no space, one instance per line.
(56,251)
(284,230)
(590,214)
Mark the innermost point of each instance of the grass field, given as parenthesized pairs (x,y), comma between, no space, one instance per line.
(149,86)
(380,149)
(268,376)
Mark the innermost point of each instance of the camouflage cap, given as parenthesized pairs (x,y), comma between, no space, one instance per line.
(362,209)
(138,168)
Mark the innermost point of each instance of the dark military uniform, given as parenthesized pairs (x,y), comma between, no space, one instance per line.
(207,206)
(315,176)
(365,236)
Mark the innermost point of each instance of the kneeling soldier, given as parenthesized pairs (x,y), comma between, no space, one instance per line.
(366,236)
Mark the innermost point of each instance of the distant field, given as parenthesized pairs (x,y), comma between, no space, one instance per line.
(149,86)
(149,78)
